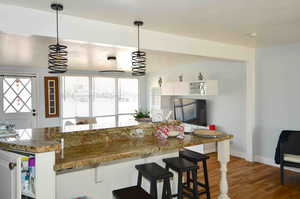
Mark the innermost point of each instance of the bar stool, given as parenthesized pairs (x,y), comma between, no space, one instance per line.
(181,165)
(152,172)
(134,192)
(195,158)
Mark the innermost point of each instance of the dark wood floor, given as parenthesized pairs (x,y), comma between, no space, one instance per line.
(252,180)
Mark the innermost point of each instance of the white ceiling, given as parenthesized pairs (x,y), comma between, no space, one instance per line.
(274,21)
(32,51)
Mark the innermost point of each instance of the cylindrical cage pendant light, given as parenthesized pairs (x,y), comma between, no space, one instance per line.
(138,57)
(57,58)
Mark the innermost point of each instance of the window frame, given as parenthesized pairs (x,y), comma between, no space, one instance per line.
(91,95)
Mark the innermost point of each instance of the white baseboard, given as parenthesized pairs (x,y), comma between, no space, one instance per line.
(270,162)
(237,154)
(263,160)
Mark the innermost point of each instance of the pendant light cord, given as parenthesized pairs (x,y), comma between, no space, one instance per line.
(57,26)
(138,37)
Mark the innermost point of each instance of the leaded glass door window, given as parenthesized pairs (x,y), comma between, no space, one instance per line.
(17,95)
(18,100)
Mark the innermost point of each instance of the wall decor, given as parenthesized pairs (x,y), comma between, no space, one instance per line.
(160,82)
(180,77)
(51,97)
(200,77)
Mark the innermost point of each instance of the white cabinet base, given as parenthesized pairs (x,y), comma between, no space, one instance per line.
(101,181)
(10,180)
(203,148)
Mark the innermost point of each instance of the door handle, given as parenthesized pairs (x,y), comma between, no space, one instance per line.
(12,165)
(33,112)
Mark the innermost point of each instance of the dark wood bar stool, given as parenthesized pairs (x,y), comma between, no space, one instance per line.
(134,192)
(181,165)
(152,172)
(196,157)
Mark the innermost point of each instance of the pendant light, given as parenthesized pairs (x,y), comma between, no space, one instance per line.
(113,66)
(57,58)
(138,57)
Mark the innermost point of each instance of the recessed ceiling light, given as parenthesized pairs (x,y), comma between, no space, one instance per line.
(252,34)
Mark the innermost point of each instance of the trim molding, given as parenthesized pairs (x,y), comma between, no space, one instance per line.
(238,154)
(270,162)
(263,160)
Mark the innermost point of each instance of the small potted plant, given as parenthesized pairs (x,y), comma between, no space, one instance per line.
(142,116)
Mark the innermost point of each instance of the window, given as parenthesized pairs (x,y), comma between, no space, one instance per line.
(111,100)
(128,95)
(104,94)
(76,96)
(17,95)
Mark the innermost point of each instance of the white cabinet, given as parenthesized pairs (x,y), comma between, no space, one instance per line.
(10,175)
(203,148)
(167,88)
(181,88)
(196,88)
(204,88)
(40,178)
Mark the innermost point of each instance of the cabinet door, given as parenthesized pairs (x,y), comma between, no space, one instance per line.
(167,88)
(10,175)
(182,88)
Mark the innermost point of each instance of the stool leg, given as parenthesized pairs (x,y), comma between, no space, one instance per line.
(139,181)
(206,180)
(164,191)
(188,179)
(153,189)
(166,194)
(180,187)
(195,185)
(168,187)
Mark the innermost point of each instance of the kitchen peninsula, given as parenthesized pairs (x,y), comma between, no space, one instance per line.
(101,159)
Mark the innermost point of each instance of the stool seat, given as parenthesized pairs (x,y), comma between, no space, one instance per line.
(134,192)
(180,164)
(193,156)
(153,171)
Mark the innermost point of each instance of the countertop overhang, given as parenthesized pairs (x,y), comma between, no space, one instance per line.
(97,154)
(91,145)
(40,140)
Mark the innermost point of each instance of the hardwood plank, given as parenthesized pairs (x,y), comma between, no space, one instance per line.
(249,180)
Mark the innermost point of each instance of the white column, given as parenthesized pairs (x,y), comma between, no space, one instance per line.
(223,157)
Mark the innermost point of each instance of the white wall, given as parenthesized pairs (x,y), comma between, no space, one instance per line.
(227,110)
(81,29)
(42,120)
(41,72)
(20,20)
(277,96)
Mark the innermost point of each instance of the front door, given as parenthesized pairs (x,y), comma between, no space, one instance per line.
(18,100)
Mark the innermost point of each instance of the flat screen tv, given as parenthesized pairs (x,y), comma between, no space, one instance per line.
(190,111)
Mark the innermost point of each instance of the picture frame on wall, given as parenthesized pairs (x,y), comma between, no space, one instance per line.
(51,97)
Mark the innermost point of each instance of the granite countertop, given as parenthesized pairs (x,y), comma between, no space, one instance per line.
(91,145)
(95,154)
(39,140)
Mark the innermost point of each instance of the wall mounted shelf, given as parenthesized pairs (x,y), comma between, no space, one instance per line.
(192,88)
